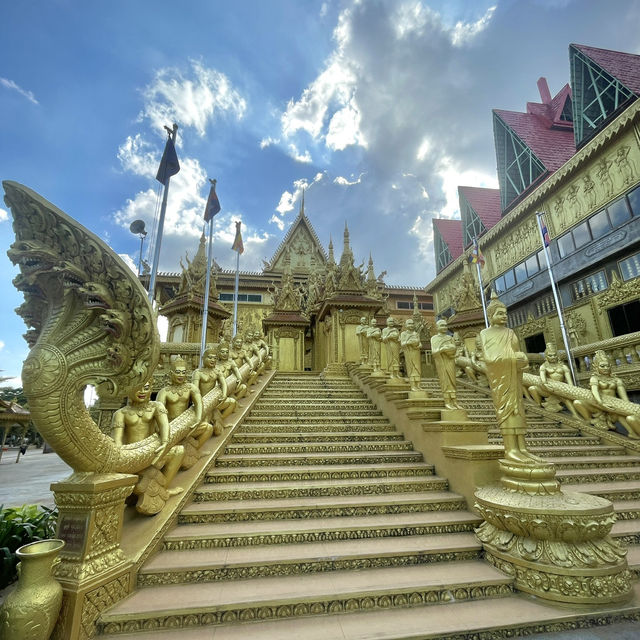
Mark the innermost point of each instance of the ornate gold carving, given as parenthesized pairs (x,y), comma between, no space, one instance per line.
(618,292)
(518,244)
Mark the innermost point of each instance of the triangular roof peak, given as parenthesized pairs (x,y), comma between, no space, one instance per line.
(625,67)
(305,247)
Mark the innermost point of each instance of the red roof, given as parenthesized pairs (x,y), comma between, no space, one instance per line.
(552,147)
(485,202)
(451,232)
(623,66)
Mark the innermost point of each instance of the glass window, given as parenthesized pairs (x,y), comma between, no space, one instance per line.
(532,265)
(226,297)
(618,212)
(630,267)
(254,297)
(599,224)
(498,285)
(509,279)
(634,201)
(565,245)
(402,304)
(521,272)
(581,235)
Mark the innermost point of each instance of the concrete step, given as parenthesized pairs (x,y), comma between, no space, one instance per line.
(318,472)
(321,507)
(306,427)
(292,436)
(578,451)
(249,533)
(613,474)
(321,420)
(614,491)
(240,563)
(453,616)
(321,447)
(349,458)
(627,532)
(312,595)
(561,441)
(314,488)
(616,459)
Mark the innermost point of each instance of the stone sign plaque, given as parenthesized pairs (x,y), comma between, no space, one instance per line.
(73,530)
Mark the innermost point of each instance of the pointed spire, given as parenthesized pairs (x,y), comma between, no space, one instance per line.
(332,259)
(302,204)
(346,235)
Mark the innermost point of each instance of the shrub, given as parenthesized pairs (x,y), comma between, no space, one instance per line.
(19,526)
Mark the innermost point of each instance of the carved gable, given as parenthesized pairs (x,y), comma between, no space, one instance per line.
(304,247)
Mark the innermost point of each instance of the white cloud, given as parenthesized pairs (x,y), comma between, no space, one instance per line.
(12,382)
(10,84)
(305,157)
(1,345)
(464,32)
(138,156)
(344,128)
(268,141)
(341,180)
(286,203)
(4,215)
(279,222)
(128,260)
(191,101)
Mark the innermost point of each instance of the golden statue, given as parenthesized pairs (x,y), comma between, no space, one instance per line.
(177,397)
(504,363)
(361,333)
(135,422)
(607,390)
(253,348)
(227,367)
(410,345)
(240,356)
(443,351)
(374,338)
(391,340)
(552,369)
(207,378)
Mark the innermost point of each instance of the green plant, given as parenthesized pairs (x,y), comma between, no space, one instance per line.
(19,526)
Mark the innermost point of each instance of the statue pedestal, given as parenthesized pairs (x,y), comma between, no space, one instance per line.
(418,395)
(93,571)
(454,415)
(555,546)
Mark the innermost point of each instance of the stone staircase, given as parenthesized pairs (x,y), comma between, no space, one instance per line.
(321,521)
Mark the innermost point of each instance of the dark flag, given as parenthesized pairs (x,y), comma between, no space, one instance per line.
(213,204)
(237,243)
(169,164)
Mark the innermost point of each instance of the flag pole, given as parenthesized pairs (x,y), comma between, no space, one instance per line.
(484,302)
(563,331)
(207,282)
(235,296)
(163,210)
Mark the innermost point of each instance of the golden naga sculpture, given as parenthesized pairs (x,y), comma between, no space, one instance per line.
(443,350)
(391,341)
(94,325)
(410,345)
(207,378)
(177,397)
(609,401)
(552,369)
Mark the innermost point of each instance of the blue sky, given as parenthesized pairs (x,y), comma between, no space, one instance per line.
(379,109)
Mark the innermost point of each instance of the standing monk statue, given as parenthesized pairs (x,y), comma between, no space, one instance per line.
(504,363)
(443,350)
(177,397)
(391,340)
(361,332)
(410,345)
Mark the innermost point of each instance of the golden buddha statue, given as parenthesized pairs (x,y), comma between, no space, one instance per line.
(207,378)
(556,371)
(139,419)
(361,333)
(410,345)
(605,388)
(177,397)
(391,340)
(374,338)
(443,351)
(504,363)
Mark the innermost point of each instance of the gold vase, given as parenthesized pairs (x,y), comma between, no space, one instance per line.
(31,609)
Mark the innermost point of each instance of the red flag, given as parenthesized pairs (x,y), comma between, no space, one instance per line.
(213,204)
(237,243)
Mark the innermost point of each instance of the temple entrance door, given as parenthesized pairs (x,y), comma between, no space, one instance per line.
(625,318)
(308,354)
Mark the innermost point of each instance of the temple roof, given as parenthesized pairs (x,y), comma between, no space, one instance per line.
(625,67)
(552,147)
(297,232)
(485,202)
(451,232)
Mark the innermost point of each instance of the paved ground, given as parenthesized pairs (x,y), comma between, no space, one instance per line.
(28,481)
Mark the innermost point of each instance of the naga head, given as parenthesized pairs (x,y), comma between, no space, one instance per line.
(96,296)
(115,323)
